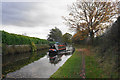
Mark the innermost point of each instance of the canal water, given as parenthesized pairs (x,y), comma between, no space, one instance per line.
(33,65)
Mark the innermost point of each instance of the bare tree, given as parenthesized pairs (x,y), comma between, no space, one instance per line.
(91,16)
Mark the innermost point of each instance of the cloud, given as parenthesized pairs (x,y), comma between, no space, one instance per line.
(31,14)
(34,18)
(14,13)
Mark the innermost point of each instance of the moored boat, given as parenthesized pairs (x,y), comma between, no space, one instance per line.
(55,48)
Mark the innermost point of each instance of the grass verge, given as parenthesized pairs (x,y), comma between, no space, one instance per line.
(73,66)
(93,70)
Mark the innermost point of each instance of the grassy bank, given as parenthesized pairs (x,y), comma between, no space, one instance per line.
(108,61)
(15,39)
(73,66)
(15,43)
(15,49)
(93,69)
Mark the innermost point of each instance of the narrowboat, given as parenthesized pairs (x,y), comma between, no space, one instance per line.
(55,48)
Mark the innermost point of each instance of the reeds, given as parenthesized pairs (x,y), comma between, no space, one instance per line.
(15,49)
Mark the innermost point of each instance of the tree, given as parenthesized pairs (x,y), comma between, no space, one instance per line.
(79,37)
(67,38)
(91,16)
(55,35)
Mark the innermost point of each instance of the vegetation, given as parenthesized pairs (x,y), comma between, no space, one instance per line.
(79,37)
(14,39)
(67,38)
(6,49)
(91,17)
(73,66)
(109,51)
(18,49)
(91,21)
(55,35)
(13,43)
(33,47)
(93,68)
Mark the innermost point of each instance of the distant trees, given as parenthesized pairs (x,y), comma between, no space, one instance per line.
(55,35)
(91,16)
(67,38)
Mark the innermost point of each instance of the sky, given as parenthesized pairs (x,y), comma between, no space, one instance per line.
(34,18)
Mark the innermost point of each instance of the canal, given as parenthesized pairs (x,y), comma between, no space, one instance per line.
(33,65)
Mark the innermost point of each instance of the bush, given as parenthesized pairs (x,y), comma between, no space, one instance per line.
(109,50)
(14,39)
(33,47)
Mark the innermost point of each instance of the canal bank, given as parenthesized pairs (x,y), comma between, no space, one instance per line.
(14,43)
(82,64)
(19,49)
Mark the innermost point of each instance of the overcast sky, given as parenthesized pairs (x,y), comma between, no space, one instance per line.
(34,17)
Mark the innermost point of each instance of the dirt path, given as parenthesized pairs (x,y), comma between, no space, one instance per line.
(84,52)
(83,67)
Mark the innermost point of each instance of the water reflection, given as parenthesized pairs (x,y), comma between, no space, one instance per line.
(39,67)
(12,63)
(55,58)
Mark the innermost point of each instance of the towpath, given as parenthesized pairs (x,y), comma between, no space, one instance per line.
(84,52)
